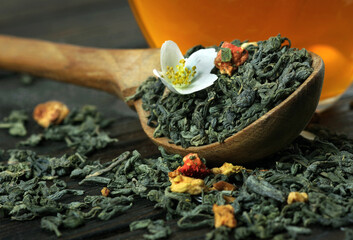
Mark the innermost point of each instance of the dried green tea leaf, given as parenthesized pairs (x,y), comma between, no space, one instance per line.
(73,219)
(221,233)
(141,224)
(226,54)
(157,229)
(264,188)
(295,231)
(115,162)
(96,179)
(15,123)
(51,223)
(58,195)
(32,141)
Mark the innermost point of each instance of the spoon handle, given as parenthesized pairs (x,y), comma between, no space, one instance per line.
(117,71)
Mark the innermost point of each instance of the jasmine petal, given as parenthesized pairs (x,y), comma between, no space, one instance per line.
(170,55)
(186,76)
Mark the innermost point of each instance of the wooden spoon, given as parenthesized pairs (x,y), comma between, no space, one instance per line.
(120,72)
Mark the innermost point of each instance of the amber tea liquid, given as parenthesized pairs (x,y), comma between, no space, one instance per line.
(322,26)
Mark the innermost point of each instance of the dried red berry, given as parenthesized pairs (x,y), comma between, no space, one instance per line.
(193,167)
(239,56)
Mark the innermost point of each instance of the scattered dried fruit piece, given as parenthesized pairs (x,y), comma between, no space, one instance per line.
(52,112)
(105,192)
(223,186)
(297,197)
(229,199)
(224,216)
(193,167)
(247,44)
(174,174)
(227,169)
(228,65)
(184,184)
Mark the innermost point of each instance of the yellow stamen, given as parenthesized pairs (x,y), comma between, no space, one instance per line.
(182,76)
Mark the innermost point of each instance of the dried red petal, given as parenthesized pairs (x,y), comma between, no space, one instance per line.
(193,167)
(239,56)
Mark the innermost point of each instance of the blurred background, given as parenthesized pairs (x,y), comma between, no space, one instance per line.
(321,26)
(95,23)
(91,23)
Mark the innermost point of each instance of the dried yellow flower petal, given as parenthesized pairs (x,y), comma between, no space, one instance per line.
(183,184)
(297,197)
(52,112)
(105,191)
(227,169)
(224,216)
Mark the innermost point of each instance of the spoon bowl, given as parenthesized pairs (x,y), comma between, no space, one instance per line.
(120,72)
(267,135)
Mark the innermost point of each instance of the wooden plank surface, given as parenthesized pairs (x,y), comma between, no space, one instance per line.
(108,24)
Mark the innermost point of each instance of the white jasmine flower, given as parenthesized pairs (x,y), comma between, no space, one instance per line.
(185,76)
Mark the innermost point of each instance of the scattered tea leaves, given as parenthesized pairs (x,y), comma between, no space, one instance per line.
(80,130)
(31,187)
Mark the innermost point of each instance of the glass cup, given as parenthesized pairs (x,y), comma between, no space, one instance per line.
(324,27)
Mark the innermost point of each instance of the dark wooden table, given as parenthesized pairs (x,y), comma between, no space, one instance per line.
(106,24)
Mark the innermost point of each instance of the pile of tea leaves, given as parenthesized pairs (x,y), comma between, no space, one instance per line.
(271,73)
(32,186)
